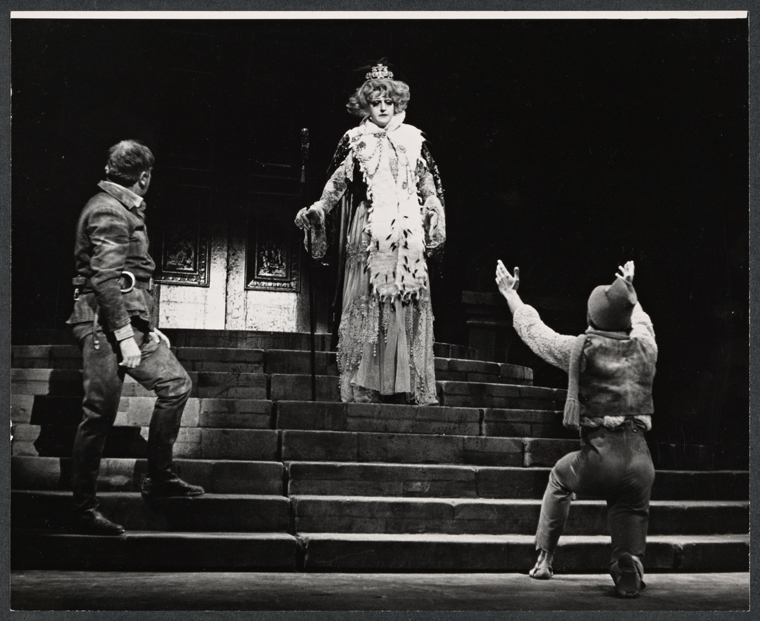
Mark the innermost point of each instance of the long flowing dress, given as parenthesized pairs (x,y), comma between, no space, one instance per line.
(394,220)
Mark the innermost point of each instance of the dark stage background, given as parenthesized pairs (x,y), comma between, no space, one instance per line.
(565,147)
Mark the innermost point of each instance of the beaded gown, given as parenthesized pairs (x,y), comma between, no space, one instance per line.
(393,219)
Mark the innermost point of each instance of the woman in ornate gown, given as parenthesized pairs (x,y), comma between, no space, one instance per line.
(391,219)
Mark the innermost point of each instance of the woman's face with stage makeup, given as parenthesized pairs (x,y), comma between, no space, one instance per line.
(381,109)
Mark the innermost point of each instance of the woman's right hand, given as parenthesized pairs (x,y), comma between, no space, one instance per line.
(307,217)
(302,221)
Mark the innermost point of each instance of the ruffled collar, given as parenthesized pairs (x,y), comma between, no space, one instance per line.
(368,127)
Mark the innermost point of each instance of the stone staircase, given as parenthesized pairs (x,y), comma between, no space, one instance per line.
(325,486)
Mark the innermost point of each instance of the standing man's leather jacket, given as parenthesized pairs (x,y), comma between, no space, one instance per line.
(111,239)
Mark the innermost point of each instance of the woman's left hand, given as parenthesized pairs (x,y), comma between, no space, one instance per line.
(431,220)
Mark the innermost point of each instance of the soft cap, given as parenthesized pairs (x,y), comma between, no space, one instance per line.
(610,306)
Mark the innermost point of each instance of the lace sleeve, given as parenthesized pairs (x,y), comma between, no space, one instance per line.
(549,345)
(342,171)
(425,183)
(432,208)
(336,186)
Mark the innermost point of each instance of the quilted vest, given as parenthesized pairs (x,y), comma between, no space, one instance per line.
(617,380)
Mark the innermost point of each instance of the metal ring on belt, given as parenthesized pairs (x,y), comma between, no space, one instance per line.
(82,284)
(132,284)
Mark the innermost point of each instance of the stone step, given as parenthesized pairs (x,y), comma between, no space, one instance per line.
(473,394)
(514,553)
(292,362)
(681,456)
(155,551)
(315,514)
(463,370)
(262,445)
(68,382)
(390,418)
(378,479)
(161,551)
(451,350)
(293,387)
(131,442)
(387,418)
(329,416)
(277,386)
(298,445)
(452,359)
(221,359)
(207,513)
(125,475)
(361,479)
(137,411)
(231,339)
(282,361)
(193,358)
(389,515)
(46,357)
(420,449)
(246,339)
(298,387)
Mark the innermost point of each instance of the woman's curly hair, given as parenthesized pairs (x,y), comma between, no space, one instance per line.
(358,104)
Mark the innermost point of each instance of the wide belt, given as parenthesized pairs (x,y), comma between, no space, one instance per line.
(127,283)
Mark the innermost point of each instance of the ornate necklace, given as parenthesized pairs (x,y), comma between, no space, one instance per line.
(380,136)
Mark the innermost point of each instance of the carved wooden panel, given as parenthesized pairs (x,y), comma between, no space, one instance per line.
(273,255)
(183,247)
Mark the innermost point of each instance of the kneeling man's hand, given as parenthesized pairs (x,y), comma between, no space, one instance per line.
(505,281)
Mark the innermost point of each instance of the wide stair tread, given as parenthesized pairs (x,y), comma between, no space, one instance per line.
(226,342)
(485,391)
(360,552)
(501,516)
(257,513)
(210,512)
(306,415)
(298,478)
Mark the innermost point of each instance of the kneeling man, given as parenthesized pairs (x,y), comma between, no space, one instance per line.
(611,368)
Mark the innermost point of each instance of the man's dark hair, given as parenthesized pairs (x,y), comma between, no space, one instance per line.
(127,160)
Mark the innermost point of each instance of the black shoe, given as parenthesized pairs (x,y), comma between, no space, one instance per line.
(93,522)
(629,583)
(171,488)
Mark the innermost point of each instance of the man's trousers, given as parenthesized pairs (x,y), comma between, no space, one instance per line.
(614,465)
(159,371)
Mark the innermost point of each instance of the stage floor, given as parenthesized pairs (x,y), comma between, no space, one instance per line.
(80,590)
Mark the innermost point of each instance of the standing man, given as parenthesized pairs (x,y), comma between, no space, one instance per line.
(609,398)
(111,322)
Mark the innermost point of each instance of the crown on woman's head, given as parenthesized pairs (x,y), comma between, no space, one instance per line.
(379,72)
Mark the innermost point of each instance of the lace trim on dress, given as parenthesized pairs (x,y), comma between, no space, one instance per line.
(358,326)
(355,253)
(422,361)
